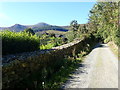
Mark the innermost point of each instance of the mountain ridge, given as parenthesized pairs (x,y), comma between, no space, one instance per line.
(36,27)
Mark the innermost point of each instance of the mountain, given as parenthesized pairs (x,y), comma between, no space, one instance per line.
(17,27)
(37,27)
(42,24)
(1,28)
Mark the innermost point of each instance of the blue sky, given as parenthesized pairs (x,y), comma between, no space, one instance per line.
(54,13)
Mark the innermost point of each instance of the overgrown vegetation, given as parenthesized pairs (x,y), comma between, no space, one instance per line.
(49,41)
(74,31)
(104,21)
(114,48)
(57,79)
(17,42)
(69,65)
(29,31)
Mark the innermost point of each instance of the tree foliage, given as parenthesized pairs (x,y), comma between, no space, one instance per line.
(83,29)
(103,21)
(72,34)
(74,25)
(29,31)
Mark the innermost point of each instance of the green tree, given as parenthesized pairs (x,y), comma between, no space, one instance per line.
(70,36)
(30,31)
(83,29)
(74,28)
(74,25)
(103,20)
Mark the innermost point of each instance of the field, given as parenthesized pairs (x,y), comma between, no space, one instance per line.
(56,32)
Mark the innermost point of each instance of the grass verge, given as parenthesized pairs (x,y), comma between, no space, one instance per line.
(58,78)
(114,49)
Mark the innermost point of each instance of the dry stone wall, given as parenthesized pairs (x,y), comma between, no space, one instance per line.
(22,56)
(33,66)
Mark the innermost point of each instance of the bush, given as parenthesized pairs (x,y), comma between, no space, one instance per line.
(47,42)
(117,38)
(30,31)
(107,39)
(70,36)
(17,42)
(48,46)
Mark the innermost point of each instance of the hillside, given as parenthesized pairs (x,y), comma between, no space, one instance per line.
(51,32)
(37,27)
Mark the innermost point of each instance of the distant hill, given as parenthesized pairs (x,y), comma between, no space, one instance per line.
(37,27)
(66,27)
(42,24)
(17,28)
(51,31)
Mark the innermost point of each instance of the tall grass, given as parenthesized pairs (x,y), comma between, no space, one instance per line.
(17,42)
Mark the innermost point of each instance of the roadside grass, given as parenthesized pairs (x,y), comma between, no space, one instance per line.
(70,65)
(114,49)
(60,77)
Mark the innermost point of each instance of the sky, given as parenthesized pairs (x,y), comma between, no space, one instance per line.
(54,13)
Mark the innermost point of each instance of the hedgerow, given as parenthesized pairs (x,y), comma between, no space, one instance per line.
(17,42)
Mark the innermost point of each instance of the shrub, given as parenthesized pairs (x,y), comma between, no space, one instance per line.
(70,36)
(17,42)
(117,38)
(48,46)
(47,42)
(30,31)
(107,40)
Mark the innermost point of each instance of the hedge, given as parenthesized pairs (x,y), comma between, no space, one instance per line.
(17,42)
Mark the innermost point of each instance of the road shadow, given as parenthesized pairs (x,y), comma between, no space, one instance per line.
(100,45)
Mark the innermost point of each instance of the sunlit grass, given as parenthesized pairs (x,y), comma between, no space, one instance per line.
(114,49)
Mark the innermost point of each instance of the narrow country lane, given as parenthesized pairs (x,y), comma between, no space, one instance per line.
(99,70)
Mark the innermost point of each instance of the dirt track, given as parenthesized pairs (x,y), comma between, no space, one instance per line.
(99,70)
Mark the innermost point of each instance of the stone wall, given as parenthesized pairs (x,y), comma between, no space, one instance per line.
(22,56)
(26,68)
